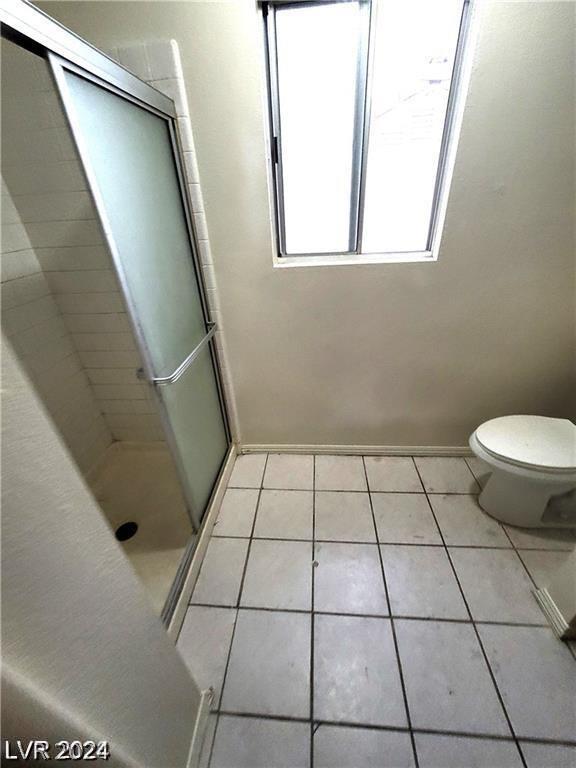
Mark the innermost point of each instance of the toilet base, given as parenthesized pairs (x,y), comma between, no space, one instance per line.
(529,503)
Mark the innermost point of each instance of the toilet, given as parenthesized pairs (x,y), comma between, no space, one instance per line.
(532,459)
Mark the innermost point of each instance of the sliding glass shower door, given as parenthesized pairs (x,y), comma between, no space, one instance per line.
(128,152)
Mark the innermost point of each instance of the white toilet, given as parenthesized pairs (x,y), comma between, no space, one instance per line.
(533,470)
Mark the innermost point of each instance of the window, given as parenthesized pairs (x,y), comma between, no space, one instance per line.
(361,96)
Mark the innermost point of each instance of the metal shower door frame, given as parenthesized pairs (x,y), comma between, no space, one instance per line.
(59,65)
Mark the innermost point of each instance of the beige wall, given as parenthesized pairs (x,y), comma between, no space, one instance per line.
(83,655)
(390,354)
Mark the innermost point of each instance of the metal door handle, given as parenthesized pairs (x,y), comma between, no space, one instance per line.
(162,381)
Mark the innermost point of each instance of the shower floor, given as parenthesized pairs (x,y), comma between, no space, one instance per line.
(137,482)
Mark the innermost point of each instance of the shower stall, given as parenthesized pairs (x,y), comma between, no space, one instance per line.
(102,293)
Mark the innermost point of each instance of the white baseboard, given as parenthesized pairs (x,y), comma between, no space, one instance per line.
(199,730)
(554,615)
(200,551)
(360,450)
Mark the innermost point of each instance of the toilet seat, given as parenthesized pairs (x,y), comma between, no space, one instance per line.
(536,442)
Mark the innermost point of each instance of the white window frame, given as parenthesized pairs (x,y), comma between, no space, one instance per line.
(450,136)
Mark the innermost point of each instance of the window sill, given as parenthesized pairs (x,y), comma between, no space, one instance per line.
(346,260)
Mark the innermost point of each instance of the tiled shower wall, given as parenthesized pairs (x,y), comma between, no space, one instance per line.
(64,250)
(35,327)
(158,63)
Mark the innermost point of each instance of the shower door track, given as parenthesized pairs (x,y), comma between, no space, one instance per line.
(31,28)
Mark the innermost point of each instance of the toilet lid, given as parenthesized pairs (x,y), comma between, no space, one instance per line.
(536,441)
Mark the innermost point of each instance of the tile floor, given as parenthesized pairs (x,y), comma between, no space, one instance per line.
(365,613)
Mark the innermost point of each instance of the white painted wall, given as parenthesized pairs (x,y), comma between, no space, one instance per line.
(83,655)
(391,354)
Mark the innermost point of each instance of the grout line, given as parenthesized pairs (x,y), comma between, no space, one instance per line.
(312,619)
(475,628)
(237,611)
(506,548)
(395,728)
(403,617)
(392,627)
(209,761)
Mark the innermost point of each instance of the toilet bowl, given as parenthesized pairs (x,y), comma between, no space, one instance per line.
(532,459)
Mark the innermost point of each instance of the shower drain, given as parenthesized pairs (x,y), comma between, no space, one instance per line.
(126,531)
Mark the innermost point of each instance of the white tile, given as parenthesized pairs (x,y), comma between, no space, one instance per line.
(348,579)
(237,511)
(289,471)
(115,322)
(56,206)
(536,675)
(340,473)
(404,518)
(269,668)
(446,475)
(204,252)
(31,288)
(221,572)
(138,420)
(90,303)
(103,341)
(126,406)
(248,471)
(480,469)
(496,586)
(448,684)
(83,281)
(247,742)
(335,745)
(196,199)
(19,318)
(343,516)
(81,257)
(462,522)
(201,226)
(436,751)
(542,538)
(278,575)
(122,376)
(55,234)
(548,755)
(210,283)
(120,391)
(356,676)
(111,358)
(35,339)
(18,263)
(185,133)
(392,473)
(542,564)
(192,172)
(421,583)
(204,643)
(284,515)
(14,238)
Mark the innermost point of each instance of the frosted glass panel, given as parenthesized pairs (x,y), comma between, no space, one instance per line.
(131,156)
(130,153)
(415,46)
(317,53)
(194,409)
